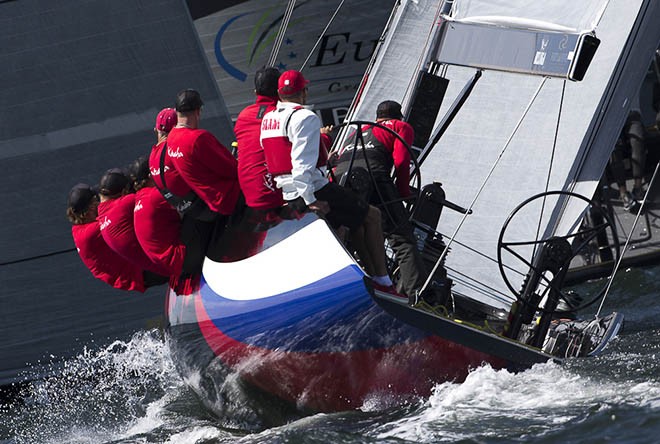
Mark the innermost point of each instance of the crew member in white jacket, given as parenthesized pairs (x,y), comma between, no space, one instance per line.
(290,137)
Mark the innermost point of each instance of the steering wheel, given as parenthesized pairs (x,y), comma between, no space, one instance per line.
(357,140)
(556,252)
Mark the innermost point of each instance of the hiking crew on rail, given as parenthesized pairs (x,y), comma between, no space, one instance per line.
(199,178)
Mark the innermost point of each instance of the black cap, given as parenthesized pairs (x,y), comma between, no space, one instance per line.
(139,170)
(80,197)
(188,100)
(389,108)
(113,182)
(265,81)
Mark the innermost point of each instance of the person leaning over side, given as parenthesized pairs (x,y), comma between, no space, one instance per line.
(384,152)
(157,223)
(290,136)
(98,257)
(194,232)
(203,168)
(115,216)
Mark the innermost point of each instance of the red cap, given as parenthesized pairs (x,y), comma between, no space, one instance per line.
(291,82)
(166,120)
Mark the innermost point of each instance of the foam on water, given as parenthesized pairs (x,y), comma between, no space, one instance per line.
(200,434)
(119,390)
(130,392)
(500,403)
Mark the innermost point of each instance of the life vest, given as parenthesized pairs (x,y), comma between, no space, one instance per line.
(372,156)
(276,144)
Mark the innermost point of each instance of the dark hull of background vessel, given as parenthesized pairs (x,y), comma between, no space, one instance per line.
(82,84)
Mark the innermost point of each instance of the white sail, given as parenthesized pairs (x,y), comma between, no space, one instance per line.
(578,16)
(398,58)
(551,150)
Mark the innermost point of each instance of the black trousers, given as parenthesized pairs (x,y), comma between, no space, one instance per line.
(399,234)
(151,279)
(199,237)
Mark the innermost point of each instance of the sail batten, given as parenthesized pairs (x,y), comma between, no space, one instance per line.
(517,22)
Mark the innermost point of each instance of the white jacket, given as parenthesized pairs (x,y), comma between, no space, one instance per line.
(303,133)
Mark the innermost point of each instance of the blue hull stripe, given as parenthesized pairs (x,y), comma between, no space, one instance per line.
(335,314)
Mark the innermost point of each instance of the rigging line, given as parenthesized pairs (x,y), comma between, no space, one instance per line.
(321,36)
(552,162)
(366,78)
(483,185)
(479,286)
(599,16)
(40,256)
(616,79)
(280,33)
(483,255)
(656,67)
(475,288)
(625,246)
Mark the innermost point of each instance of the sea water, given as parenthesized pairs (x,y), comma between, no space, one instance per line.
(129,392)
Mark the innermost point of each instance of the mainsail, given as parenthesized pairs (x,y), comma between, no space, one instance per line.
(493,157)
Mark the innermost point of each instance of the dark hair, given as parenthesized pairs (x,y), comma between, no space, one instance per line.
(113,183)
(265,81)
(188,100)
(78,202)
(139,172)
(389,108)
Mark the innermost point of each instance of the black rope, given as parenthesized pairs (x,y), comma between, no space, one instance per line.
(41,256)
(552,162)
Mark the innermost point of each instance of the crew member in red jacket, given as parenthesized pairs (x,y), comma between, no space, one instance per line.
(203,182)
(203,164)
(157,223)
(115,216)
(385,151)
(256,182)
(101,260)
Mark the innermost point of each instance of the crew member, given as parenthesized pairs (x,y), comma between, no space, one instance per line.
(256,182)
(199,175)
(203,164)
(384,151)
(115,216)
(157,223)
(290,136)
(98,257)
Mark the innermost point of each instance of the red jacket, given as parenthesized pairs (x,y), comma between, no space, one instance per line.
(102,261)
(256,182)
(399,152)
(116,224)
(154,166)
(158,228)
(205,166)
